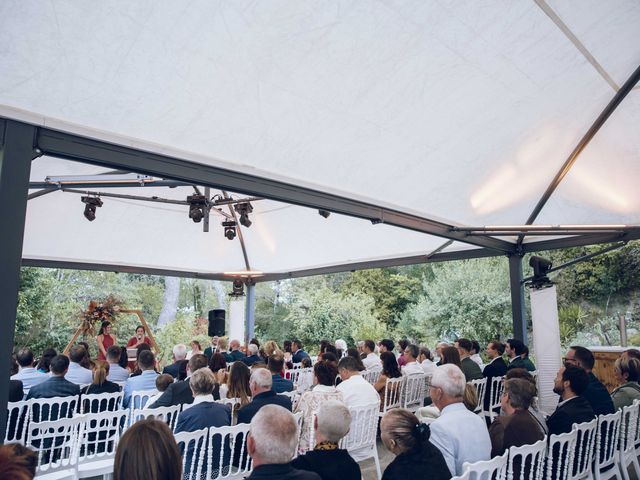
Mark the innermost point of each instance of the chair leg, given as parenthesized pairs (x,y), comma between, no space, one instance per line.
(377,460)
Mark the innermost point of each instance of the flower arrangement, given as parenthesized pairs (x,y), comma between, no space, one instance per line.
(98,312)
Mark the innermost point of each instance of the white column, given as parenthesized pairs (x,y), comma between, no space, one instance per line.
(236,319)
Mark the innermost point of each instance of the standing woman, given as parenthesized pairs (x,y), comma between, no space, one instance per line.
(105,340)
(139,338)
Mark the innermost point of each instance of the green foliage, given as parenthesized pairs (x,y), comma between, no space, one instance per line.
(571,319)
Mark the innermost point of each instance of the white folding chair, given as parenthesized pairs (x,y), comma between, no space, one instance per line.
(628,435)
(560,455)
(293,375)
(584,450)
(527,462)
(100,434)
(294,396)
(225,445)
(100,402)
(193,447)
(360,442)
(494,469)
(56,443)
(465,476)
(494,390)
(48,409)
(140,398)
(392,395)
(371,376)
(17,421)
(300,373)
(607,440)
(480,387)
(413,391)
(168,415)
(299,416)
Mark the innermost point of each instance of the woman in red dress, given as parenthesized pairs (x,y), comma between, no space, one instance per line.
(105,340)
(139,338)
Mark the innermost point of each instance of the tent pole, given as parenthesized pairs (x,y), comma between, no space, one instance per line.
(517,298)
(250,310)
(16,153)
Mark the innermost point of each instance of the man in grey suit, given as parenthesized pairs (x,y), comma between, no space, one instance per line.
(55,386)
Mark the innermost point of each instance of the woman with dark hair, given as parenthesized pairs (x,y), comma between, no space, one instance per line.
(331,349)
(124,358)
(390,369)
(141,348)
(237,384)
(323,345)
(451,355)
(408,439)
(324,377)
(105,340)
(148,449)
(352,352)
(139,338)
(218,365)
(402,345)
(45,360)
(17,462)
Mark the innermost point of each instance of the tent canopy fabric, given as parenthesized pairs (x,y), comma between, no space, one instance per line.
(456,112)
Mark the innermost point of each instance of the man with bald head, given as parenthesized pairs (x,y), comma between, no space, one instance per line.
(261,394)
(235,353)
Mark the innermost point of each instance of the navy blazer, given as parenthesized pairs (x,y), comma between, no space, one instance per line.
(299,355)
(252,359)
(177,370)
(598,396)
(246,413)
(54,387)
(496,368)
(16,393)
(280,384)
(329,464)
(178,393)
(281,472)
(576,410)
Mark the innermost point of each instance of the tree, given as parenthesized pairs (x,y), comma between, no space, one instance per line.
(170,300)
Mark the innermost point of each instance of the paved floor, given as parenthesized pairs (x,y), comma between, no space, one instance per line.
(368,467)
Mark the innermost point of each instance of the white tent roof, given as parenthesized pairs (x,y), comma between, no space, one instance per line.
(458,111)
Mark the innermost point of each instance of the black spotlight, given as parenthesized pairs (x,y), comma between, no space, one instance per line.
(244,209)
(197,207)
(324,213)
(541,267)
(238,288)
(229,229)
(91,203)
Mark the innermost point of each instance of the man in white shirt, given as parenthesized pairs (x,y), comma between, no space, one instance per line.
(460,435)
(116,372)
(426,362)
(355,389)
(77,373)
(411,353)
(27,374)
(475,354)
(371,361)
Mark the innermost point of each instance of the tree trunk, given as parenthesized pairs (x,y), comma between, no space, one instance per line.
(221,293)
(169,301)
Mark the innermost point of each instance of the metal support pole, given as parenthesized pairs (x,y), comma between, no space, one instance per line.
(16,153)
(517,298)
(250,310)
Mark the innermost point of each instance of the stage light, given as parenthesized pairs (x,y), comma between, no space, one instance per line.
(244,209)
(324,213)
(91,203)
(229,229)
(238,288)
(197,207)
(541,267)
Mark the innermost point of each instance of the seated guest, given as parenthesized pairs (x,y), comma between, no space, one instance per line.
(402,344)
(45,359)
(178,369)
(496,366)
(271,347)
(426,361)
(135,371)
(470,368)
(631,352)
(145,381)
(147,450)
(356,391)
(261,395)
(351,352)
(180,392)
(517,427)
(627,371)
(324,376)
(162,383)
(439,347)
(297,352)
(16,391)
(570,383)
(371,361)
(596,393)
(533,408)
(86,361)
(327,459)
(100,384)
(223,348)
(195,349)
(77,373)
(341,347)
(416,458)
(116,372)
(253,356)
(27,374)
(411,365)
(390,369)
(385,345)
(237,385)
(475,354)
(459,434)
(17,462)
(516,353)
(235,353)
(218,365)
(271,443)
(450,355)
(275,366)
(55,386)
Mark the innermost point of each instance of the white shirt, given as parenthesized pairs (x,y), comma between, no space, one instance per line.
(29,377)
(461,436)
(428,367)
(357,391)
(117,373)
(372,362)
(411,368)
(476,358)
(78,374)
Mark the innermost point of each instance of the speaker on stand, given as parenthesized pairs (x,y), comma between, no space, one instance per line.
(216,323)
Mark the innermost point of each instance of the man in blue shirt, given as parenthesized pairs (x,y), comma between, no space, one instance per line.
(145,381)
(275,366)
(27,374)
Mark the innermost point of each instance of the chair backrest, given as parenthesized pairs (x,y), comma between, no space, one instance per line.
(527,462)
(364,426)
(168,415)
(629,428)
(480,387)
(294,396)
(494,390)
(17,421)
(227,444)
(50,409)
(100,402)
(494,469)
(464,476)
(413,391)
(56,443)
(193,447)
(371,376)
(607,438)
(140,398)
(584,448)
(392,394)
(100,434)
(560,455)
(299,373)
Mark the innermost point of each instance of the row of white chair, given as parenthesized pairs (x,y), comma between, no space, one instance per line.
(407,391)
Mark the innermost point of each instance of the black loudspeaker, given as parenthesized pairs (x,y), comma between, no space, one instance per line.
(216,323)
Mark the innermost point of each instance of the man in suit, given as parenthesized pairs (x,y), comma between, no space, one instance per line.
(261,395)
(213,348)
(278,384)
(298,352)
(596,393)
(570,383)
(253,357)
(55,386)
(178,369)
(235,353)
(470,368)
(180,392)
(496,366)
(516,352)
(16,393)
(145,381)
